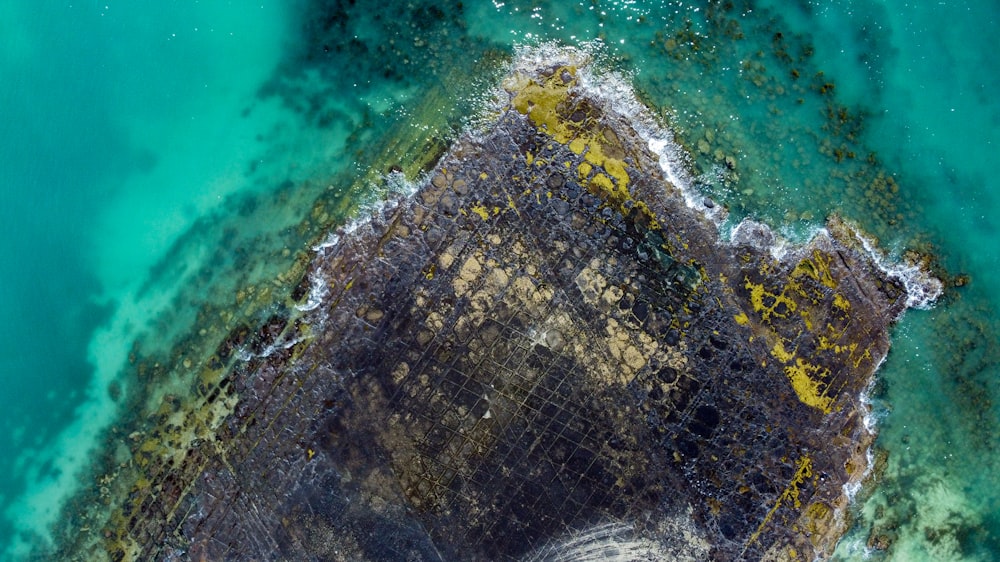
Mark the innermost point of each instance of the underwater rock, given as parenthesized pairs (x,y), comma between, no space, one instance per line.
(544,350)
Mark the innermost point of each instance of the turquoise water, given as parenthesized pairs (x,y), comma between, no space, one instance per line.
(158,158)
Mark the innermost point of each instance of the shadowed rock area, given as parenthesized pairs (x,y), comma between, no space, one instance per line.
(542,354)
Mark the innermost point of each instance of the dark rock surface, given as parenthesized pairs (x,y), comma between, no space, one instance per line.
(543,352)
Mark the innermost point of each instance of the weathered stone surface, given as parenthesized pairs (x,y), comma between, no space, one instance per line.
(544,349)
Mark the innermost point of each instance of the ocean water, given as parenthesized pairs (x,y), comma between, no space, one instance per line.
(118,134)
(163,164)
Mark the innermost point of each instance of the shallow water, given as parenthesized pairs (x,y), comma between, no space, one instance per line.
(156,162)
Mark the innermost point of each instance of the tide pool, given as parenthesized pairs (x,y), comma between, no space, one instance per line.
(160,162)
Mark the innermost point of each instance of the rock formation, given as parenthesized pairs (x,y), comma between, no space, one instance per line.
(546,352)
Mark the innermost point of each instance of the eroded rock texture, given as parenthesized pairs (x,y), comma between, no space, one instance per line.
(543,351)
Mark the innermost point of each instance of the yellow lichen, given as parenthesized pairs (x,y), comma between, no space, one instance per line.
(613,166)
(806,387)
(644,209)
(757,296)
(790,494)
(826,344)
(778,351)
(817,268)
(866,355)
(546,101)
(805,318)
(742,319)
(541,101)
(481,210)
(602,183)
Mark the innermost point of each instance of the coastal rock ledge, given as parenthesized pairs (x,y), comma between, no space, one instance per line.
(544,353)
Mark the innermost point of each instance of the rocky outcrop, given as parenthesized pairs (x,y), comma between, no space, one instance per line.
(545,351)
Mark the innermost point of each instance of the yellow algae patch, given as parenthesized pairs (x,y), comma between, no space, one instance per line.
(481,210)
(546,101)
(435,321)
(524,290)
(446,259)
(803,472)
(613,294)
(633,357)
(497,280)
(806,387)
(468,273)
(603,183)
(818,268)
(630,358)
(757,296)
(591,283)
(541,101)
(780,354)
(807,320)
(615,167)
(824,344)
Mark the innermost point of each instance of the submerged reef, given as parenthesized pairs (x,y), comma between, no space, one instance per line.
(547,349)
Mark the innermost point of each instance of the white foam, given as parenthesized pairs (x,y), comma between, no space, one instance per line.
(763,237)
(852,487)
(922,288)
(856,547)
(392,189)
(331,241)
(318,289)
(279,345)
(396,182)
(529,57)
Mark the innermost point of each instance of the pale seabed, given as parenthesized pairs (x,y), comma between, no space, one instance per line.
(157,159)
